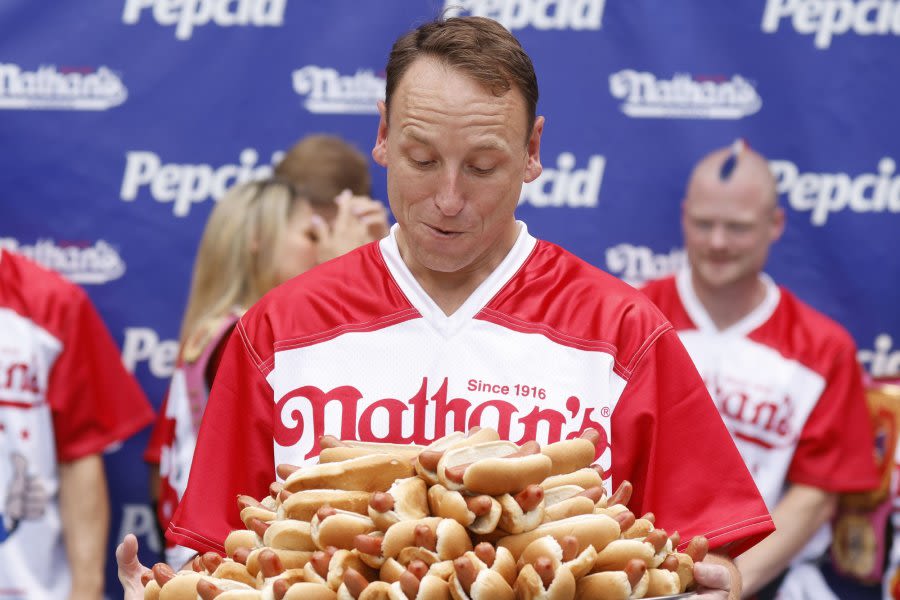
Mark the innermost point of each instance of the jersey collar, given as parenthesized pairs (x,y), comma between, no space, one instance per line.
(698,314)
(430,311)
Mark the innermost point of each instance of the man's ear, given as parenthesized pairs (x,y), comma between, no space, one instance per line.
(533,167)
(777,225)
(379,152)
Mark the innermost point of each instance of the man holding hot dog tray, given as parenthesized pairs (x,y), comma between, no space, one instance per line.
(460,319)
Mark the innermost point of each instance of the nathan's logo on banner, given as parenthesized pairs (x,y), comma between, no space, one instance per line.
(60,88)
(822,194)
(883,360)
(143,344)
(565,185)
(540,14)
(327,91)
(300,415)
(187,14)
(684,96)
(636,265)
(79,262)
(828,18)
(185,185)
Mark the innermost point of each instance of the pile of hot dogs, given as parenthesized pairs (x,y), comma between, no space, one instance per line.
(469,517)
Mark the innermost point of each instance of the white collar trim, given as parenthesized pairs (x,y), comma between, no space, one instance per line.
(482,295)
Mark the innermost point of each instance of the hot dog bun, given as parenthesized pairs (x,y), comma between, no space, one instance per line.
(371,473)
(494,468)
(589,530)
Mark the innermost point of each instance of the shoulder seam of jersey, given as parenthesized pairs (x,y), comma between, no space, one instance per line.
(257,360)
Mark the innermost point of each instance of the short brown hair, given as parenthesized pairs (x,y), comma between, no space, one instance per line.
(480,47)
(325,165)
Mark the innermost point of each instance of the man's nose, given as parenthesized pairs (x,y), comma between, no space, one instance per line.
(718,237)
(449,197)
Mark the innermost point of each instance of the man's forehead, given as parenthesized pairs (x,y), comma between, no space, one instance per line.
(431,89)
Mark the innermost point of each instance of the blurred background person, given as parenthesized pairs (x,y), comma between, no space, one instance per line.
(336,178)
(784,376)
(259,234)
(64,398)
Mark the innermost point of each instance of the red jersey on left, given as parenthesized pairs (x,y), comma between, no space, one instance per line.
(64,394)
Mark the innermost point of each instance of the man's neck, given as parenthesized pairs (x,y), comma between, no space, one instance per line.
(728,305)
(451,290)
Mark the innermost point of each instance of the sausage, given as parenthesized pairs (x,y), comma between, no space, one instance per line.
(458,472)
(207,590)
(626,519)
(325,511)
(381,502)
(259,527)
(657,538)
(635,569)
(409,584)
(595,493)
(697,548)
(465,573)
(355,582)
(486,553)
(543,566)
(368,544)
(424,537)
(622,495)
(162,573)
(569,545)
(211,561)
(270,564)
(530,498)
(478,505)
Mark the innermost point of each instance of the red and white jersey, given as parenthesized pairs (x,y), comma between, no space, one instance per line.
(544,348)
(787,384)
(64,394)
(174,434)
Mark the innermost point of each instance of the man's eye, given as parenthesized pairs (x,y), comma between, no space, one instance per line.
(479,171)
(421,164)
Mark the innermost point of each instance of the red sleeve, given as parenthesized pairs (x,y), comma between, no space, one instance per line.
(95,402)
(161,427)
(234,453)
(836,451)
(669,441)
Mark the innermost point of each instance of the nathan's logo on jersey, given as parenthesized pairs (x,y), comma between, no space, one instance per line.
(828,18)
(822,194)
(143,344)
(882,360)
(754,415)
(79,262)
(327,91)
(565,185)
(60,88)
(187,14)
(684,96)
(302,416)
(184,185)
(21,385)
(636,265)
(540,14)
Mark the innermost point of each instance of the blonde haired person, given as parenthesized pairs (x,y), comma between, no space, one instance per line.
(260,234)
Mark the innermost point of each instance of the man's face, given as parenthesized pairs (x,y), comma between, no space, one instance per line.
(728,228)
(456,158)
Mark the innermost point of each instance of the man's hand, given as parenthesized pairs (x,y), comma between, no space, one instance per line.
(359,220)
(717,579)
(130,568)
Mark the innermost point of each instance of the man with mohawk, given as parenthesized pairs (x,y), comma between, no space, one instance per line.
(784,376)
